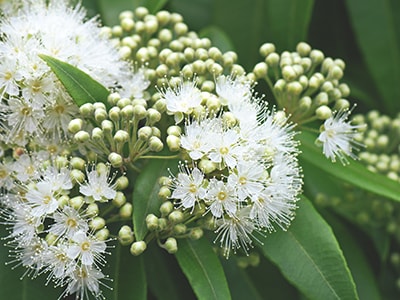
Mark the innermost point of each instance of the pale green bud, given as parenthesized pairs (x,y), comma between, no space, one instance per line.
(141,12)
(174,130)
(121,183)
(335,73)
(176,46)
(215,53)
(162,223)
(229,119)
(153,116)
(342,104)
(163,17)
(145,133)
(176,216)
(129,42)
(143,54)
(160,105)
(180,229)
(327,86)
(125,235)
(164,192)
(92,210)
(315,81)
(171,245)
(164,180)
(294,88)
(189,54)
(123,102)
(155,144)
(321,99)
(97,134)
(107,126)
(151,222)
(196,233)
(86,109)
(261,70)
(236,69)
(51,239)
(103,234)
(172,60)
(119,199)
(115,159)
(207,166)
(151,26)
(138,248)
(280,85)
(61,162)
(174,143)
(267,49)
(126,211)
(303,49)
(76,202)
(77,176)
(317,56)
(125,52)
(97,223)
(63,201)
(166,208)
(117,31)
(202,54)
(126,14)
(199,67)
(81,136)
(305,103)
(121,136)
(127,112)
(180,28)
(140,112)
(323,112)
(100,115)
(75,125)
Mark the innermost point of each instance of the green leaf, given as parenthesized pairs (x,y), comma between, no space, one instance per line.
(159,267)
(81,87)
(128,275)
(218,38)
(363,274)
(309,256)
(145,198)
(15,288)
(203,269)
(354,173)
(240,284)
(374,23)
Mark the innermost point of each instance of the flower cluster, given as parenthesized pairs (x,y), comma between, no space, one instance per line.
(52,216)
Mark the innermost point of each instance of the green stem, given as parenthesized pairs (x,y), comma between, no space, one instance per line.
(159,157)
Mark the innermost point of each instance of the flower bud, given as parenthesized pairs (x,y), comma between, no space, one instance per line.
(267,49)
(115,159)
(280,85)
(294,88)
(121,183)
(323,112)
(261,70)
(174,130)
(145,133)
(171,245)
(153,116)
(151,222)
(126,211)
(100,115)
(166,208)
(81,136)
(107,126)
(207,166)
(121,136)
(180,229)
(103,234)
(272,60)
(176,216)
(119,199)
(155,144)
(342,104)
(76,202)
(174,143)
(140,112)
(75,125)
(86,109)
(97,223)
(125,235)
(316,56)
(77,176)
(196,233)
(321,99)
(180,28)
(63,201)
(92,210)
(77,163)
(303,48)
(305,103)
(51,239)
(138,248)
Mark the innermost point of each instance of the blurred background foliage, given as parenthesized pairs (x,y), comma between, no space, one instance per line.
(366,35)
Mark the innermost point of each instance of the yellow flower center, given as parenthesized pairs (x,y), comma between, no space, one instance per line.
(224,150)
(192,188)
(71,222)
(46,199)
(85,246)
(222,195)
(242,180)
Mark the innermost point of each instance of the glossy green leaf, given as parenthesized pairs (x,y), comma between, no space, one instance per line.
(363,274)
(15,288)
(354,173)
(240,284)
(203,269)
(81,87)
(145,198)
(128,275)
(159,267)
(374,23)
(309,256)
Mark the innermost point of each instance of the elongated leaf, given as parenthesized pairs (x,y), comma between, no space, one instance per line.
(145,193)
(297,16)
(203,269)
(240,284)
(15,288)
(309,256)
(128,275)
(373,21)
(81,87)
(159,267)
(354,173)
(363,274)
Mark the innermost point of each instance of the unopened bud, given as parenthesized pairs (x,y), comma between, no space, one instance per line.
(323,112)
(155,144)
(151,222)
(92,210)
(119,199)
(196,233)
(138,248)
(75,125)
(126,211)
(125,235)
(115,159)
(176,216)
(121,183)
(171,245)
(97,223)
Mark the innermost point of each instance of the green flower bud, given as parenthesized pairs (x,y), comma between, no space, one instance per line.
(77,176)
(294,88)
(303,49)
(107,126)
(81,136)
(199,67)
(100,115)
(97,223)
(86,109)
(280,85)
(117,31)
(180,229)
(342,104)
(103,234)
(162,223)
(77,163)
(164,192)
(51,239)
(163,17)
(171,245)
(125,52)
(92,210)
(172,60)
(174,143)
(261,70)
(75,125)
(166,208)
(236,69)
(174,130)
(207,166)
(121,183)
(63,201)
(119,199)
(176,216)
(115,159)
(316,56)
(125,235)
(164,180)
(215,53)
(76,202)
(272,60)
(305,103)
(141,12)
(138,248)
(114,114)
(155,144)
(321,99)
(180,28)
(267,49)
(323,112)
(145,133)
(126,211)
(140,112)
(153,116)
(151,222)
(196,233)
(151,26)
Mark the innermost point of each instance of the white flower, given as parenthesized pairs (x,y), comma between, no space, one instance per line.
(225,148)
(82,280)
(58,179)
(6,180)
(338,137)
(247,179)
(235,232)
(222,198)
(233,90)
(68,222)
(58,263)
(188,187)
(89,250)
(135,84)
(9,76)
(42,199)
(98,186)
(183,98)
